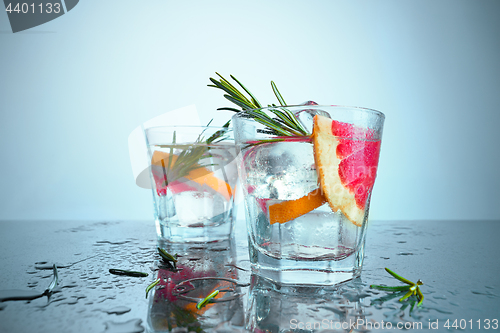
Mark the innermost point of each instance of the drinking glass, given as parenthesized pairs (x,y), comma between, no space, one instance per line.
(307,196)
(193,177)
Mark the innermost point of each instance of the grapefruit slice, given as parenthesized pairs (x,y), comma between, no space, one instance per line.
(197,179)
(289,210)
(346,159)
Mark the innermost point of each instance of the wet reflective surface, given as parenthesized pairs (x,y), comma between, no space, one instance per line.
(457,261)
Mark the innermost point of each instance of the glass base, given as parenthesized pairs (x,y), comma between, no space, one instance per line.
(201,233)
(306,272)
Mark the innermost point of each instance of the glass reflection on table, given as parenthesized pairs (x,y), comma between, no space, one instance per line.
(277,308)
(201,269)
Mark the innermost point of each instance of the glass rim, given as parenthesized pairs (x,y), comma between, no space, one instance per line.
(357,108)
(187,127)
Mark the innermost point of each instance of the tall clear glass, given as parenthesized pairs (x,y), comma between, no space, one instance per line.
(193,176)
(307,197)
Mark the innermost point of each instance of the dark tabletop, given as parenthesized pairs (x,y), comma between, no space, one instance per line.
(456,260)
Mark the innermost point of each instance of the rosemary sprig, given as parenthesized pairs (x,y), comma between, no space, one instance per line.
(190,156)
(116,271)
(207,299)
(53,283)
(283,124)
(151,286)
(167,256)
(411,288)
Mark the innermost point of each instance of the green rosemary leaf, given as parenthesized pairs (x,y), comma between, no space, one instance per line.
(220,139)
(226,87)
(229,85)
(264,120)
(402,279)
(420,297)
(234,90)
(238,102)
(296,122)
(282,116)
(167,256)
(254,99)
(228,109)
(127,273)
(216,135)
(408,294)
(288,123)
(151,286)
(205,301)
(277,94)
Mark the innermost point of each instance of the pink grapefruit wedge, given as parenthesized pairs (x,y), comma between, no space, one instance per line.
(346,159)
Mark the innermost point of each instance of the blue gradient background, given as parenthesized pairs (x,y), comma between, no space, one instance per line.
(72,90)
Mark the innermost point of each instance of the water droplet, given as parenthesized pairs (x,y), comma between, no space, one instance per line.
(483,293)
(131,326)
(119,310)
(112,243)
(405,254)
(71,285)
(439,297)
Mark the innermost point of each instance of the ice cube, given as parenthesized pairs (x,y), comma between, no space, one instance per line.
(281,170)
(197,206)
(306,116)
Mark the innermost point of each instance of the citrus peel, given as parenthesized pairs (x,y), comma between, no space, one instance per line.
(289,210)
(199,175)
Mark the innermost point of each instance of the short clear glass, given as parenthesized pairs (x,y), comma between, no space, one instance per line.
(307,197)
(193,177)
